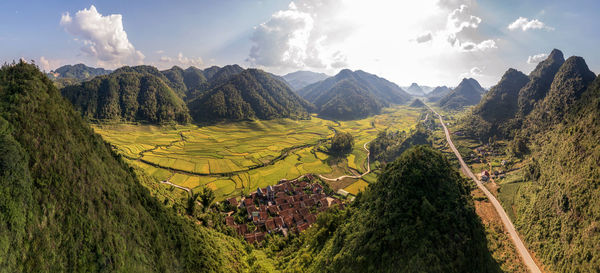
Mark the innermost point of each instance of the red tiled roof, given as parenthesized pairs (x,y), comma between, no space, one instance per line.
(263,216)
(232,201)
(289,221)
(251,237)
(270,224)
(229,221)
(302,227)
(278,221)
(248,202)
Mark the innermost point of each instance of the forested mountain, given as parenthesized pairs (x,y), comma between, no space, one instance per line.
(217,76)
(467,93)
(415,90)
(299,79)
(389,145)
(418,217)
(353,94)
(251,94)
(78,72)
(438,93)
(138,93)
(70,204)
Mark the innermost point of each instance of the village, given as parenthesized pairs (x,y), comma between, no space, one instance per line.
(289,206)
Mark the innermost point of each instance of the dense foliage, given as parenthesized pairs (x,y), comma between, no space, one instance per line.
(129,94)
(70,204)
(390,145)
(341,143)
(353,95)
(418,217)
(252,94)
(467,93)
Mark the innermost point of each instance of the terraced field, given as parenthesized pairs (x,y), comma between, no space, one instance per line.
(236,158)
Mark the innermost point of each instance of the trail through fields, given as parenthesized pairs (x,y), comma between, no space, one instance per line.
(521,249)
(353,176)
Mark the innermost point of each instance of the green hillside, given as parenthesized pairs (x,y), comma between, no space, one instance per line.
(129,94)
(251,94)
(418,217)
(70,204)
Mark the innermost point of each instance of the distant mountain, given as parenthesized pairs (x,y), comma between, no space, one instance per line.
(352,95)
(138,93)
(79,72)
(415,90)
(438,93)
(417,103)
(71,204)
(251,94)
(299,79)
(217,76)
(467,93)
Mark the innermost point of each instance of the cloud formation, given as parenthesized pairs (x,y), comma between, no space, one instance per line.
(298,37)
(103,37)
(423,38)
(525,24)
(536,58)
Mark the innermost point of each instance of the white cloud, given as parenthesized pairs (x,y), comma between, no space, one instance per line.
(536,58)
(423,38)
(474,72)
(525,24)
(462,18)
(49,64)
(181,60)
(104,38)
(482,46)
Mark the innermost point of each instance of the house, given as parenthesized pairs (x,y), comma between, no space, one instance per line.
(250,238)
(260,236)
(242,229)
(278,222)
(270,224)
(249,202)
(233,202)
(270,193)
(229,221)
(303,227)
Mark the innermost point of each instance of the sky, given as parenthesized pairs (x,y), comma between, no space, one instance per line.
(431,42)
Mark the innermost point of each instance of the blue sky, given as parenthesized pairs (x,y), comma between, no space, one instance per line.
(431,42)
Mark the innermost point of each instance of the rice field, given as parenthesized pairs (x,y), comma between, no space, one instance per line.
(236,158)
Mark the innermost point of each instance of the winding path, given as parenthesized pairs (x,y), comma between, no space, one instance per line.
(176,186)
(514,236)
(353,176)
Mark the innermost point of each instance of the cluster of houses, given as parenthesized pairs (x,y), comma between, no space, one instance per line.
(485,175)
(289,206)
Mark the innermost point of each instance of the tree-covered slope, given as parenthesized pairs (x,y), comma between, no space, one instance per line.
(467,93)
(129,94)
(251,94)
(417,217)
(558,210)
(70,204)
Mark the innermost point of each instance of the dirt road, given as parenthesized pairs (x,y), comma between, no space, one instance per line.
(508,225)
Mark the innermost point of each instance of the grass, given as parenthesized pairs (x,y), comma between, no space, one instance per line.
(229,157)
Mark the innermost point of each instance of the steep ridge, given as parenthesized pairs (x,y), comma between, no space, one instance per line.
(539,83)
(415,90)
(70,204)
(251,94)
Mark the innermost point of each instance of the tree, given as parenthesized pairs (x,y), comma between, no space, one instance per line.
(342,143)
(207,196)
(192,203)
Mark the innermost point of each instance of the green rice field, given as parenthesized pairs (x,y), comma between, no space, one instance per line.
(236,158)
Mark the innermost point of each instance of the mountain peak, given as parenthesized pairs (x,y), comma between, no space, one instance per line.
(556,55)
